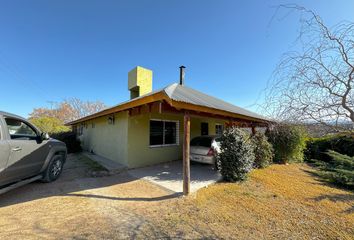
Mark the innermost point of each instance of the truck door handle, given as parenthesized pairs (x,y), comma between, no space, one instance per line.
(16,149)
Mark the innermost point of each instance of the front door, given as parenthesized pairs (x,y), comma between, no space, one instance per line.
(204,128)
(27,151)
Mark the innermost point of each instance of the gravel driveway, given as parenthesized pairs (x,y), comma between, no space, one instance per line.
(77,206)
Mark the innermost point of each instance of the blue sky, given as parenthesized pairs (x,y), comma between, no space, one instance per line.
(52,50)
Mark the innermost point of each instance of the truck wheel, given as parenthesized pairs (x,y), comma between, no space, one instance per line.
(54,169)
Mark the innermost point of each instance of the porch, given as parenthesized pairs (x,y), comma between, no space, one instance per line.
(169,175)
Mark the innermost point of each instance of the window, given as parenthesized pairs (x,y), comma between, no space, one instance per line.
(219,128)
(80,129)
(164,132)
(204,127)
(20,130)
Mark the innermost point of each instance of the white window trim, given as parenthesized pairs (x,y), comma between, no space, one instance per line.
(163,135)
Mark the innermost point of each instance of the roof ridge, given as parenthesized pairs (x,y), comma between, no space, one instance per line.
(170,89)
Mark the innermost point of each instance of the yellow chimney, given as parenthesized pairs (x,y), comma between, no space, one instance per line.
(139,81)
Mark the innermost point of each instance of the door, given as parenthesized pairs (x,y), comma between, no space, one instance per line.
(4,156)
(204,128)
(27,151)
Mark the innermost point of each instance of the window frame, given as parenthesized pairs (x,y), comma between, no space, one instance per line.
(163,133)
(222,126)
(25,137)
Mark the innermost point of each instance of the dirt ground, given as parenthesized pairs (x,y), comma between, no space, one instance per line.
(275,203)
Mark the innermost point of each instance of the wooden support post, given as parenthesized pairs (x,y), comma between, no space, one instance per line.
(186,161)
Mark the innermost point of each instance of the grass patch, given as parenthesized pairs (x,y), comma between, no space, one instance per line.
(93,165)
(279,202)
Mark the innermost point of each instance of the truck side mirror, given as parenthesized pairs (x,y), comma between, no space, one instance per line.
(44,136)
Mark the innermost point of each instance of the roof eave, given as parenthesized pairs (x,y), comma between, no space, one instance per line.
(125,106)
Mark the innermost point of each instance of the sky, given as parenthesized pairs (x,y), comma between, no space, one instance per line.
(54,50)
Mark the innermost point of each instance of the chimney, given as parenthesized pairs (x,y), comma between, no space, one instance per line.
(181,75)
(139,82)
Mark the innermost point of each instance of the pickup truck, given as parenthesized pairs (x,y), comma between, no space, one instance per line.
(27,154)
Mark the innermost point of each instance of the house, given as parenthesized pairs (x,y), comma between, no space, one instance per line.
(155,126)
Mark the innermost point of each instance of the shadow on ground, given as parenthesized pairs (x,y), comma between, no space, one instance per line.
(73,180)
(340,197)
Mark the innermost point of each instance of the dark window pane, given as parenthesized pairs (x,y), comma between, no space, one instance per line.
(201,141)
(170,133)
(204,128)
(219,129)
(156,132)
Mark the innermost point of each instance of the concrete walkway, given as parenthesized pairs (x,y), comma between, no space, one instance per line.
(169,175)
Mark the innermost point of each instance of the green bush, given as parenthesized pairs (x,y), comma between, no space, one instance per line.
(342,143)
(288,141)
(49,124)
(263,150)
(336,168)
(341,161)
(236,156)
(69,138)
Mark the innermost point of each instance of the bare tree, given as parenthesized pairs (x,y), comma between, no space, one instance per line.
(69,110)
(315,84)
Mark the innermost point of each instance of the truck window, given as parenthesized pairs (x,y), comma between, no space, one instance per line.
(19,129)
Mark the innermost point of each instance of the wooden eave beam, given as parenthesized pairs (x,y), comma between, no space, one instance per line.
(125,106)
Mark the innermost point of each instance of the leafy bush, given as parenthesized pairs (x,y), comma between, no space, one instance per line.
(342,143)
(289,142)
(263,150)
(236,155)
(49,124)
(69,138)
(336,168)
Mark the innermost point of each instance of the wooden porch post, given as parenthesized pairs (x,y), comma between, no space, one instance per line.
(186,162)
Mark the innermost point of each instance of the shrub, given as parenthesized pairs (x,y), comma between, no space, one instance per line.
(289,142)
(263,150)
(236,155)
(50,124)
(69,138)
(342,143)
(336,168)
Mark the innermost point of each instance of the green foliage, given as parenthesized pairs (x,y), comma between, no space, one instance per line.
(236,157)
(49,124)
(336,168)
(289,142)
(342,143)
(69,138)
(263,150)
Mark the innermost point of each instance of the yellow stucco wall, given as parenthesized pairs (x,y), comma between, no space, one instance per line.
(127,140)
(142,78)
(107,140)
(196,123)
(139,151)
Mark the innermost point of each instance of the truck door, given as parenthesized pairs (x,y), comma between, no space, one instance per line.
(27,151)
(4,154)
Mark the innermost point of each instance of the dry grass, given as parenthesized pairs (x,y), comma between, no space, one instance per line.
(279,202)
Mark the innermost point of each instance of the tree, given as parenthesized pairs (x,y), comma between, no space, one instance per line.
(69,110)
(315,84)
(49,124)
